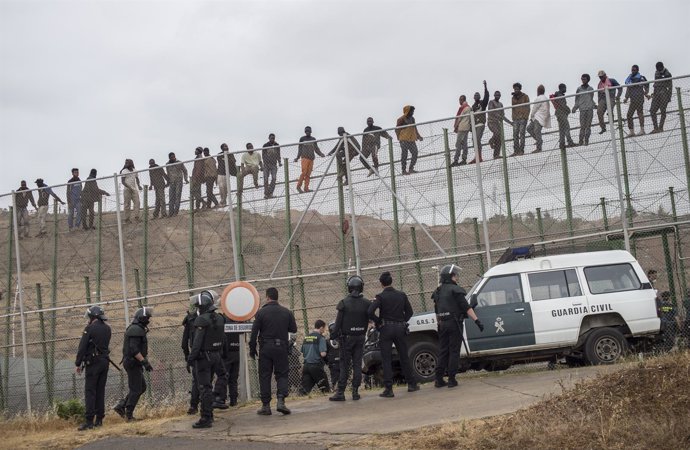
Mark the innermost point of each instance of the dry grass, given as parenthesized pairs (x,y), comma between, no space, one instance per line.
(641,407)
(48,431)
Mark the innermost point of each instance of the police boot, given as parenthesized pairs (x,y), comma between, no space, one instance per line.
(412,387)
(130,416)
(98,422)
(355,393)
(193,410)
(233,402)
(452,382)
(204,422)
(387,393)
(120,409)
(339,396)
(440,383)
(280,406)
(88,425)
(265,410)
(219,404)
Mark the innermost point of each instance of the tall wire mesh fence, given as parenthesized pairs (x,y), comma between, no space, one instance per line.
(301,217)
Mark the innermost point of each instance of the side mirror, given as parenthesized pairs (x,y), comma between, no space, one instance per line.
(473,301)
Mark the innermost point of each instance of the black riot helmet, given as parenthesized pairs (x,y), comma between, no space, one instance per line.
(447,272)
(95,312)
(355,285)
(143,315)
(331,328)
(206,301)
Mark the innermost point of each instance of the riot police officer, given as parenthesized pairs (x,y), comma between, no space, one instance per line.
(271,329)
(187,340)
(93,358)
(227,385)
(451,308)
(394,312)
(350,329)
(333,356)
(135,350)
(209,334)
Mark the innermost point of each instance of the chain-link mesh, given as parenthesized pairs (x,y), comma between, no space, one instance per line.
(416,206)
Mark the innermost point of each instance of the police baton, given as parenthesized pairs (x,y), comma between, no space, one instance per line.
(114,365)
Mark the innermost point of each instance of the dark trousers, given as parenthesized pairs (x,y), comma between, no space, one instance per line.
(174,197)
(334,372)
(659,103)
(273,359)
(160,202)
(496,138)
(563,131)
(210,197)
(94,388)
(636,106)
(586,117)
(87,213)
(136,384)
(364,162)
(449,337)
(209,365)
(227,386)
(519,128)
(411,148)
(351,350)
(313,375)
(197,201)
(194,392)
(270,174)
(394,333)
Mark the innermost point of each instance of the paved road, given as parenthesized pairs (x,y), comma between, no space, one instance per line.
(316,422)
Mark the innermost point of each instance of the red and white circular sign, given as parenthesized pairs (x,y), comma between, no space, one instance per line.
(240,301)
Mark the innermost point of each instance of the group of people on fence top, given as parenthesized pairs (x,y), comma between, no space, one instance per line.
(208,171)
(211,355)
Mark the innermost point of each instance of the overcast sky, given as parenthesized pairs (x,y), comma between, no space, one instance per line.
(89,83)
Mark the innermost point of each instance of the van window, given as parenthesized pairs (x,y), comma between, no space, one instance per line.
(611,278)
(554,284)
(501,290)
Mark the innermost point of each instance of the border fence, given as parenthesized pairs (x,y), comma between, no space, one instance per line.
(617,191)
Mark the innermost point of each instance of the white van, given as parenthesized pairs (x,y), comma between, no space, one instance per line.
(586,307)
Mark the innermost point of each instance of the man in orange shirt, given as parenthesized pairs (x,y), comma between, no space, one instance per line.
(307,150)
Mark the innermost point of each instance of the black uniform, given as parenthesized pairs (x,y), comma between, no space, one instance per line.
(271,326)
(451,308)
(206,350)
(394,312)
(94,348)
(333,358)
(187,341)
(350,329)
(227,385)
(135,342)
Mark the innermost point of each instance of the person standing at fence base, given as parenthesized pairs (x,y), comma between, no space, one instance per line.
(661,96)
(314,351)
(187,341)
(23,196)
(351,324)
(135,350)
(394,312)
(93,359)
(271,328)
(451,308)
(333,356)
(584,101)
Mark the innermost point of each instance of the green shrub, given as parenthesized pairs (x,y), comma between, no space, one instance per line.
(70,409)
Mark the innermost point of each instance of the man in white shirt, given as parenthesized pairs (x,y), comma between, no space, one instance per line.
(540,117)
(251,164)
(130,181)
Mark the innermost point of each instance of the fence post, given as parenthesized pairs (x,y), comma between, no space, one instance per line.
(602,202)
(626,180)
(418,268)
(303,301)
(239,234)
(341,216)
(231,218)
(669,264)
(8,308)
(684,137)
(451,194)
(351,194)
(48,373)
(478,244)
(480,184)
(614,150)
(288,228)
(145,262)
(20,288)
(99,250)
(191,235)
(566,191)
(118,217)
(53,287)
(396,218)
(137,286)
(87,288)
(506,183)
(540,225)
(679,248)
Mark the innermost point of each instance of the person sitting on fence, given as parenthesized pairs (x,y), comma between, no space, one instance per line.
(251,164)
(636,93)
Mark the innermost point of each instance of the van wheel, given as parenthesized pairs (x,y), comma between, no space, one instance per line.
(605,346)
(423,359)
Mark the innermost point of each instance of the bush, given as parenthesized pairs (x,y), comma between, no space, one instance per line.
(70,409)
